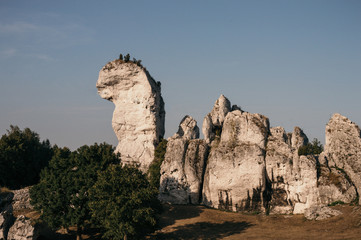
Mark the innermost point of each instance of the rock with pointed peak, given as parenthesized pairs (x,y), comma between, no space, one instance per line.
(343,148)
(213,121)
(188,129)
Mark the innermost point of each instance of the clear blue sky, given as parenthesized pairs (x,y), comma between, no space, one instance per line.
(297,62)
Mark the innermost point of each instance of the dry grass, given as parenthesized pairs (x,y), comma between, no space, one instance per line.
(197,222)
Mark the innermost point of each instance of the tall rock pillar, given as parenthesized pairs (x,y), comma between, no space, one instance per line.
(138,118)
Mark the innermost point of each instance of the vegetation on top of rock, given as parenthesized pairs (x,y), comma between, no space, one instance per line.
(124,59)
(154,168)
(22,156)
(62,194)
(311,148)
(123,204)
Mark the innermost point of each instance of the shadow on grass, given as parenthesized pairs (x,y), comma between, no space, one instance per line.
(171,213)
(204,230)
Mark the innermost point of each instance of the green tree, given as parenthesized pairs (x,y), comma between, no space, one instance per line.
(311,148)
(123,203)
(120,56)
(62,193)
(127,58)
(154,168)
(22,156)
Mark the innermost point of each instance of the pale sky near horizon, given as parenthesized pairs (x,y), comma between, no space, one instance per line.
(296,62)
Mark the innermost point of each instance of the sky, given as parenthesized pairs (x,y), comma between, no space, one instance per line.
(296,62)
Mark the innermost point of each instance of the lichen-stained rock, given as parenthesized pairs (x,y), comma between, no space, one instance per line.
(23,229)
(138,118)
(235,177)
(183,166)
(188,129)
(320,212)
(343,148)
(334,185)
(213,121)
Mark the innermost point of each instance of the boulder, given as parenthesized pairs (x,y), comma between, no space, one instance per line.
(23,229)
(235,177)
(319,212)
(138,118)
(343,148)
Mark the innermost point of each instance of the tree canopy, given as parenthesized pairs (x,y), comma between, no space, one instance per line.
(311,148)
(22,156)
(62,193)
(123,203)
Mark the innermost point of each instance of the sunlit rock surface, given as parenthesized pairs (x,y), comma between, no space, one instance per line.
(138,118)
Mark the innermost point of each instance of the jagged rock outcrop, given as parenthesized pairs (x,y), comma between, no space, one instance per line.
(23,229)
(343,148)
(6,214)
(21,199)
(188,129)
(138,118)
(182,169)
(213,122)
(235,177)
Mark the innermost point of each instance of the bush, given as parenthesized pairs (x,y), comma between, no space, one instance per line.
(127,58)
(311,148)
(62,193)
(123,204)
(22,156)
(154,169)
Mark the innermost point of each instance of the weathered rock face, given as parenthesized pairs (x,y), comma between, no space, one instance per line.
(182,169)
(213,122)
(343,148)
(22,229)
(235,177)
(138,118)
(188,129)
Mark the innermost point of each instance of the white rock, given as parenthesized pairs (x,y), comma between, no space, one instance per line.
(320,212)
(235,173)
(182,171)
(138,118)
(343,147)
(188,129)
(23,230)
(213,121)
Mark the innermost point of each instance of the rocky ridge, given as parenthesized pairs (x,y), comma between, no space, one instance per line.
(138,118)
(252,167)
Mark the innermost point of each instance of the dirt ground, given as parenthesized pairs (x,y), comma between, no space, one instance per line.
(198,222)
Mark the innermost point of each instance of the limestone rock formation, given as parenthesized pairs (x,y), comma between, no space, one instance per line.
(319,212)
(343,148)
(138,118)
(188,129)
(235,177)
(23,229)
(6,214)
(182,169)
(213,122)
